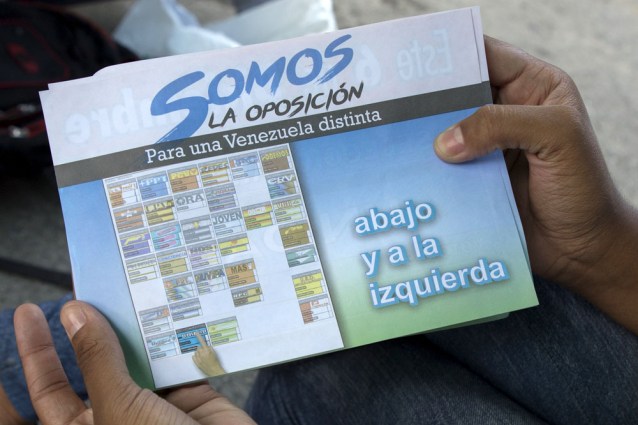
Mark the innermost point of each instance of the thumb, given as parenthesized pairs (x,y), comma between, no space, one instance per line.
(98,352)
(534,129)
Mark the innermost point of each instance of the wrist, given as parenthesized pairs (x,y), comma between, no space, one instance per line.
(611,281)
(617,267)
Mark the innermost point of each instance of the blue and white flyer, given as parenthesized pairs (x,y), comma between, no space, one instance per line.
(234,209)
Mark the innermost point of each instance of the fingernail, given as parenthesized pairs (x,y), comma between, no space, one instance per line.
(450,142)
(73,319)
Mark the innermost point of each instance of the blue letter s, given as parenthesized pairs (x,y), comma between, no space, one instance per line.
(197,107)
(331,51)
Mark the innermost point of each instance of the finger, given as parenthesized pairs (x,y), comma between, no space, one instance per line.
(548,133)
(207,406)
(99,354)
(518,78)
(197,360)
(201,340)
(190,397)
(504,61)
(53,398)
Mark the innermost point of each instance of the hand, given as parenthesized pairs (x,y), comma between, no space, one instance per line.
(115,398)
(580,231)
(206,359)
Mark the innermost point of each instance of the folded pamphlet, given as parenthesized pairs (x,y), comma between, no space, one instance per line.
(234,209)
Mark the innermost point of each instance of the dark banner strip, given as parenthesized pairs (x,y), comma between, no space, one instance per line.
(272,134)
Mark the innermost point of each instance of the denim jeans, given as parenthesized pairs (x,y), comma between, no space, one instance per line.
(563,362)
(11,374)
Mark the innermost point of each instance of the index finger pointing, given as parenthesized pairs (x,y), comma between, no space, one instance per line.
(201,340)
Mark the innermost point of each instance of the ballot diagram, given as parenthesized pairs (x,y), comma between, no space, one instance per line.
(211,247)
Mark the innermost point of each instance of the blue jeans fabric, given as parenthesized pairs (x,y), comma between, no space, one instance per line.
(11,374)
(563,362)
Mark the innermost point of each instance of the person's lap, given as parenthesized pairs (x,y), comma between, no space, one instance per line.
(560,363)
(405,381)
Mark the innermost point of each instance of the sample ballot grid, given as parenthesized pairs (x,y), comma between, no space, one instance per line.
(186,232)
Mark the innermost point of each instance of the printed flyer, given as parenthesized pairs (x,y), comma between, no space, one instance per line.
(234,209)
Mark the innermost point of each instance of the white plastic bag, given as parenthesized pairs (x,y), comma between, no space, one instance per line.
(278,20)
(155,28)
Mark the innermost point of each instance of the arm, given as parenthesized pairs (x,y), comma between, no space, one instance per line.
(581,233)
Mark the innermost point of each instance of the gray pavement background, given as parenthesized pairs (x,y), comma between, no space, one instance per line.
(595,43)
